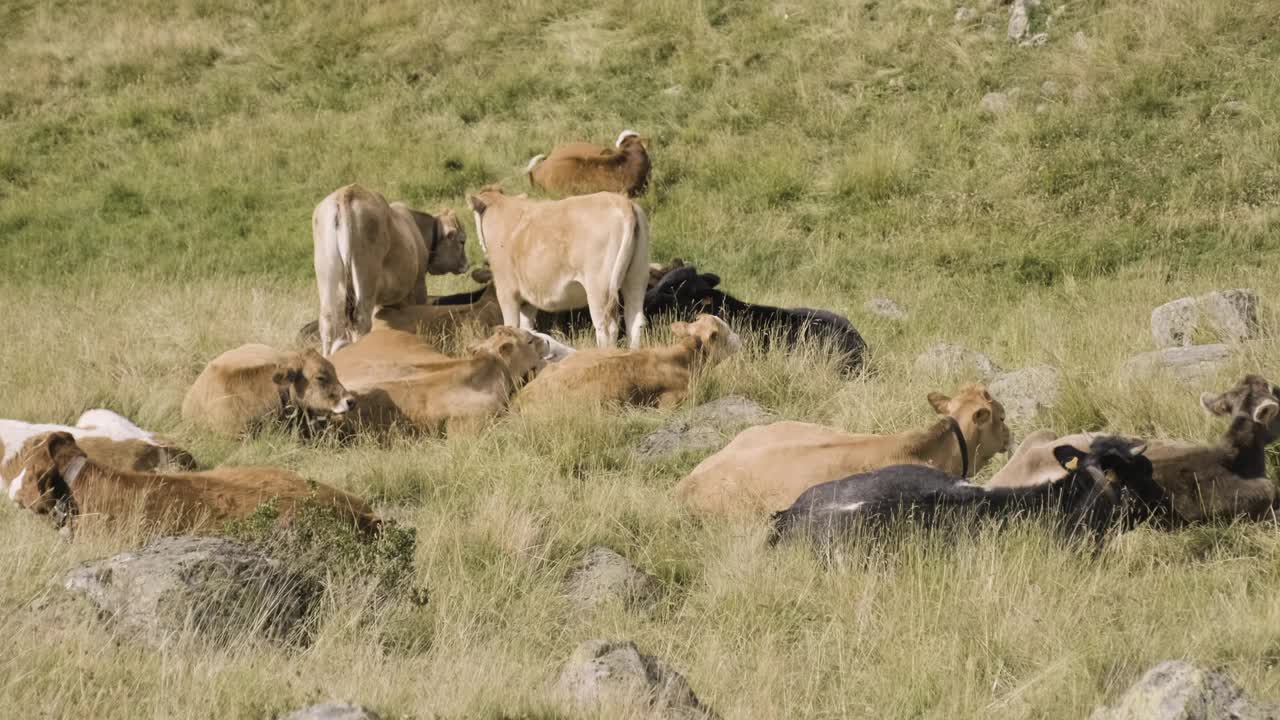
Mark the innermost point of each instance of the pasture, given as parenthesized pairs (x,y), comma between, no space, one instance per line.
(159,162)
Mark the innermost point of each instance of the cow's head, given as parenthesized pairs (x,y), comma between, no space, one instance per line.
(1112,481)
(521,351)
(981,420)
(51,464)
(685,292)
(1253,398)
(629,139)
(310,383)
(449,251)
(711,337)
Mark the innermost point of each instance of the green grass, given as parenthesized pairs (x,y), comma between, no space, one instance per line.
(159,163)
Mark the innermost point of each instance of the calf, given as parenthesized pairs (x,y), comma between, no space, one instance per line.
(449,394)
(768,466)
(566,254)
(369,252)
(60,480)
(684,291)
(647,376)
(1087,498)
(244,388)
(582,168)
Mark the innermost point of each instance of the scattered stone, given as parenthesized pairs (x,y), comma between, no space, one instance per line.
(212,585)
(1193,365)
(674,90)
(1037,40)
(1081,93)
(1049,88)
(1230,315)
(333,711)
(706,427)
(1042,108)
(944,360)
(1177,690)
(966,15)
(604,576)
(614,672)
(1019,20)
(1231,107)
(1079,41)
(995,103)
(1024,393)
(886,308)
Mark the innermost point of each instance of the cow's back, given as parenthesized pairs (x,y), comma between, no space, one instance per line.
(385,354)
(236,388)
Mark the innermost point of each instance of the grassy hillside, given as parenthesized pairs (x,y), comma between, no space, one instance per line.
(159,162)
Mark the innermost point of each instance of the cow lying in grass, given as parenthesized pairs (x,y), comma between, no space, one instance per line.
(768,466)
(684,292)
(60,480)
(105,436)
(1088,497)
(242,389)
(648,376)
(582,168)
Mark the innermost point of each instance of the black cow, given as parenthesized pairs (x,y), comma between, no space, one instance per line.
(685,292)
(1112,482)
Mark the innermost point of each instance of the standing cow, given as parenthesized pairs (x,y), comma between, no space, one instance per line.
(369,253)
(566,254)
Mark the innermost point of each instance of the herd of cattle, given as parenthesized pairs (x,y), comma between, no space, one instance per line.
(378,369)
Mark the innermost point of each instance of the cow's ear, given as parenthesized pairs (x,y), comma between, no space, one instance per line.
(939,402)
(679,330)
(711,279)
(981,416)
(287,375)
(484,276)
(1215,404)
(476,203)
(1068,456)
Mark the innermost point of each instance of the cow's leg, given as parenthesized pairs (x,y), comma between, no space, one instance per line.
(527,316)
(633,288)
(671,398)
(510,305)
(418,295)
(598,306)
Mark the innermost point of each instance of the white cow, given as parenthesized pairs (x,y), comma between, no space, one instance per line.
(369,253)
(566,254)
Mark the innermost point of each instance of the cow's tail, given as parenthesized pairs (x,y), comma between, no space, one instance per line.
(340,293)
(353,289)
(533,163)
(634,238)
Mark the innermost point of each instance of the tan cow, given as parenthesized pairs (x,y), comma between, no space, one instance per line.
(580,168)
(566,254)
(767,467)
(401,384)
(108,438)
(61,480)
(646,376)
(369,252)
(252,384)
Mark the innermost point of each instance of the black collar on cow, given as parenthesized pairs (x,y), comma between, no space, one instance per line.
(964,446)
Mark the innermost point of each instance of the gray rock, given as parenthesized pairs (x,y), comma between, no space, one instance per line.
(1176,690)
(613,672)
(1038,40)
(1042,108)
(1024,393)
(674,90)
(1019,20)
(1194,365)
(604,576)
(1230,315)
(1081,93)
(1079,41)
(706,427)
(945,360)
(333,710)
(1231,107)
(994,103)
(212,585)
(966,15)
(886,308)
(1049,88)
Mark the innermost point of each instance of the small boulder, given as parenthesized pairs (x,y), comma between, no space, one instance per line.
(994,103)
(333,711)
(1176,690)
(1079,41)
(885,308)
(1038,40)
(706,427)
(1024,393)
(1193,365)
(1230,315)
(944,360)
(1019,20)
(614,673)
(1231,107)
(212,585)
(1049,88)
(966,15)
(604,576)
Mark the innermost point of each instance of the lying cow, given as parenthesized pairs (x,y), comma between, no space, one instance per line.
(647,376)
(369,252)
(242,389)
(684,291)
(582,168)
(447,395)
(1088,496)
(566,254)
(107,437)
(768,466)
(59,479)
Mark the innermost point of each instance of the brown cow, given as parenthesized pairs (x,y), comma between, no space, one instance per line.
(646,376)
(582,168)
(769,466)
(59,479)
(252,384)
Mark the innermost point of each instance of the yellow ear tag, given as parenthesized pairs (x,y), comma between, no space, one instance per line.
(1071,464)
(1110,475)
